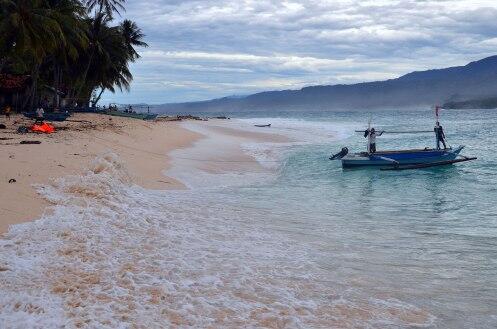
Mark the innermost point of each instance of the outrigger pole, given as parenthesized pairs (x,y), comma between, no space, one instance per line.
(401,132)
(429,164)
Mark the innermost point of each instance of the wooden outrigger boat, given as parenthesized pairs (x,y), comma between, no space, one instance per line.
(402,159)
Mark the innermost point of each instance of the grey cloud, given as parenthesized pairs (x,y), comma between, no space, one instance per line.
(248,46)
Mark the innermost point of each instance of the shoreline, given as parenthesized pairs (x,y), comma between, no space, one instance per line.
(150,151)
(144,147)
(221,157)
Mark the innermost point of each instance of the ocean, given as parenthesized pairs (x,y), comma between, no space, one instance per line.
(298,243)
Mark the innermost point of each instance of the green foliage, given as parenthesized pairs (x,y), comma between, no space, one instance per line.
(108,7)
(69,43)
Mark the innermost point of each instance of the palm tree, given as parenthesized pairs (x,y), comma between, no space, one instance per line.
(120,50)
(109,7)
(112,48)
(56,41)
(97,33)
(133,37)
(28,28)
(28,33)
(68,14)
(112,70)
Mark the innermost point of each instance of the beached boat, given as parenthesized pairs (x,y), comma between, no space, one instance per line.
(401,159)
(134,115)
(53,116)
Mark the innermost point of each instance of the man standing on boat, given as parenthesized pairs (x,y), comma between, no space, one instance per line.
(371,135)
(439,135)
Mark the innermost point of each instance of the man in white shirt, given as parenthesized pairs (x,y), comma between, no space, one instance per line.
(371,135)
(40,112)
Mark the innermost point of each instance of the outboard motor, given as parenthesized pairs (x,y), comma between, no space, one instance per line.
(340,154)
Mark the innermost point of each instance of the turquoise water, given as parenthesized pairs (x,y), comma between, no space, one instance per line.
(309,246)
(426,237)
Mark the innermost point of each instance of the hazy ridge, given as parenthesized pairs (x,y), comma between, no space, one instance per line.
(454,84)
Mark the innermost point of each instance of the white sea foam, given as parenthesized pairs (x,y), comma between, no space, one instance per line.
(301,130)
(219,160)
(113,255)
(271,155)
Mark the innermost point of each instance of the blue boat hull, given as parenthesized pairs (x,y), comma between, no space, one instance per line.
(62,116)
(403,157)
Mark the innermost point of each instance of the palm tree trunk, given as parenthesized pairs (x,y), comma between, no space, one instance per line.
(57,74)
(85,74)
(98,97)
(32,93)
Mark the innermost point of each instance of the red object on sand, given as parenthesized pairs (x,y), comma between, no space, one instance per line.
(43,128)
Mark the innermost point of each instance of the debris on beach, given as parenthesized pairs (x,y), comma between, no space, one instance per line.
(167,119)
(179,118)
(191,117)
(30,142)
(22,130)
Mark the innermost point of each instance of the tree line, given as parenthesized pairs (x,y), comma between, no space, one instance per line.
(72,46)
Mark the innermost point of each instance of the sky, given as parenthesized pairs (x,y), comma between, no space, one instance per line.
(208,49)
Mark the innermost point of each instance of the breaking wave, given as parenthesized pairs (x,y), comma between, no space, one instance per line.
(114,255)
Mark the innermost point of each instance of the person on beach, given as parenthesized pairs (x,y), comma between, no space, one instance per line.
(7,110)
(439,135)
(40,113)
(371,135)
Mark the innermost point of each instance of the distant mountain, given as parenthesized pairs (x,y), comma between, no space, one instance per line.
(474,80)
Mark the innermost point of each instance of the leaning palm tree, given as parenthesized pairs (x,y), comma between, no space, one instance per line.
(112,48)
(119,46)
(109,7)
(133,37)
(97,32)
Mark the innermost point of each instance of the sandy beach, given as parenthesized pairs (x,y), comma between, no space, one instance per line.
(142,145)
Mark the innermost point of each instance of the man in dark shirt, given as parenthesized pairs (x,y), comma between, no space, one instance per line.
(439,135)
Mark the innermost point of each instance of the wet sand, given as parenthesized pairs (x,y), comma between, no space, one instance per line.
(143,146)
